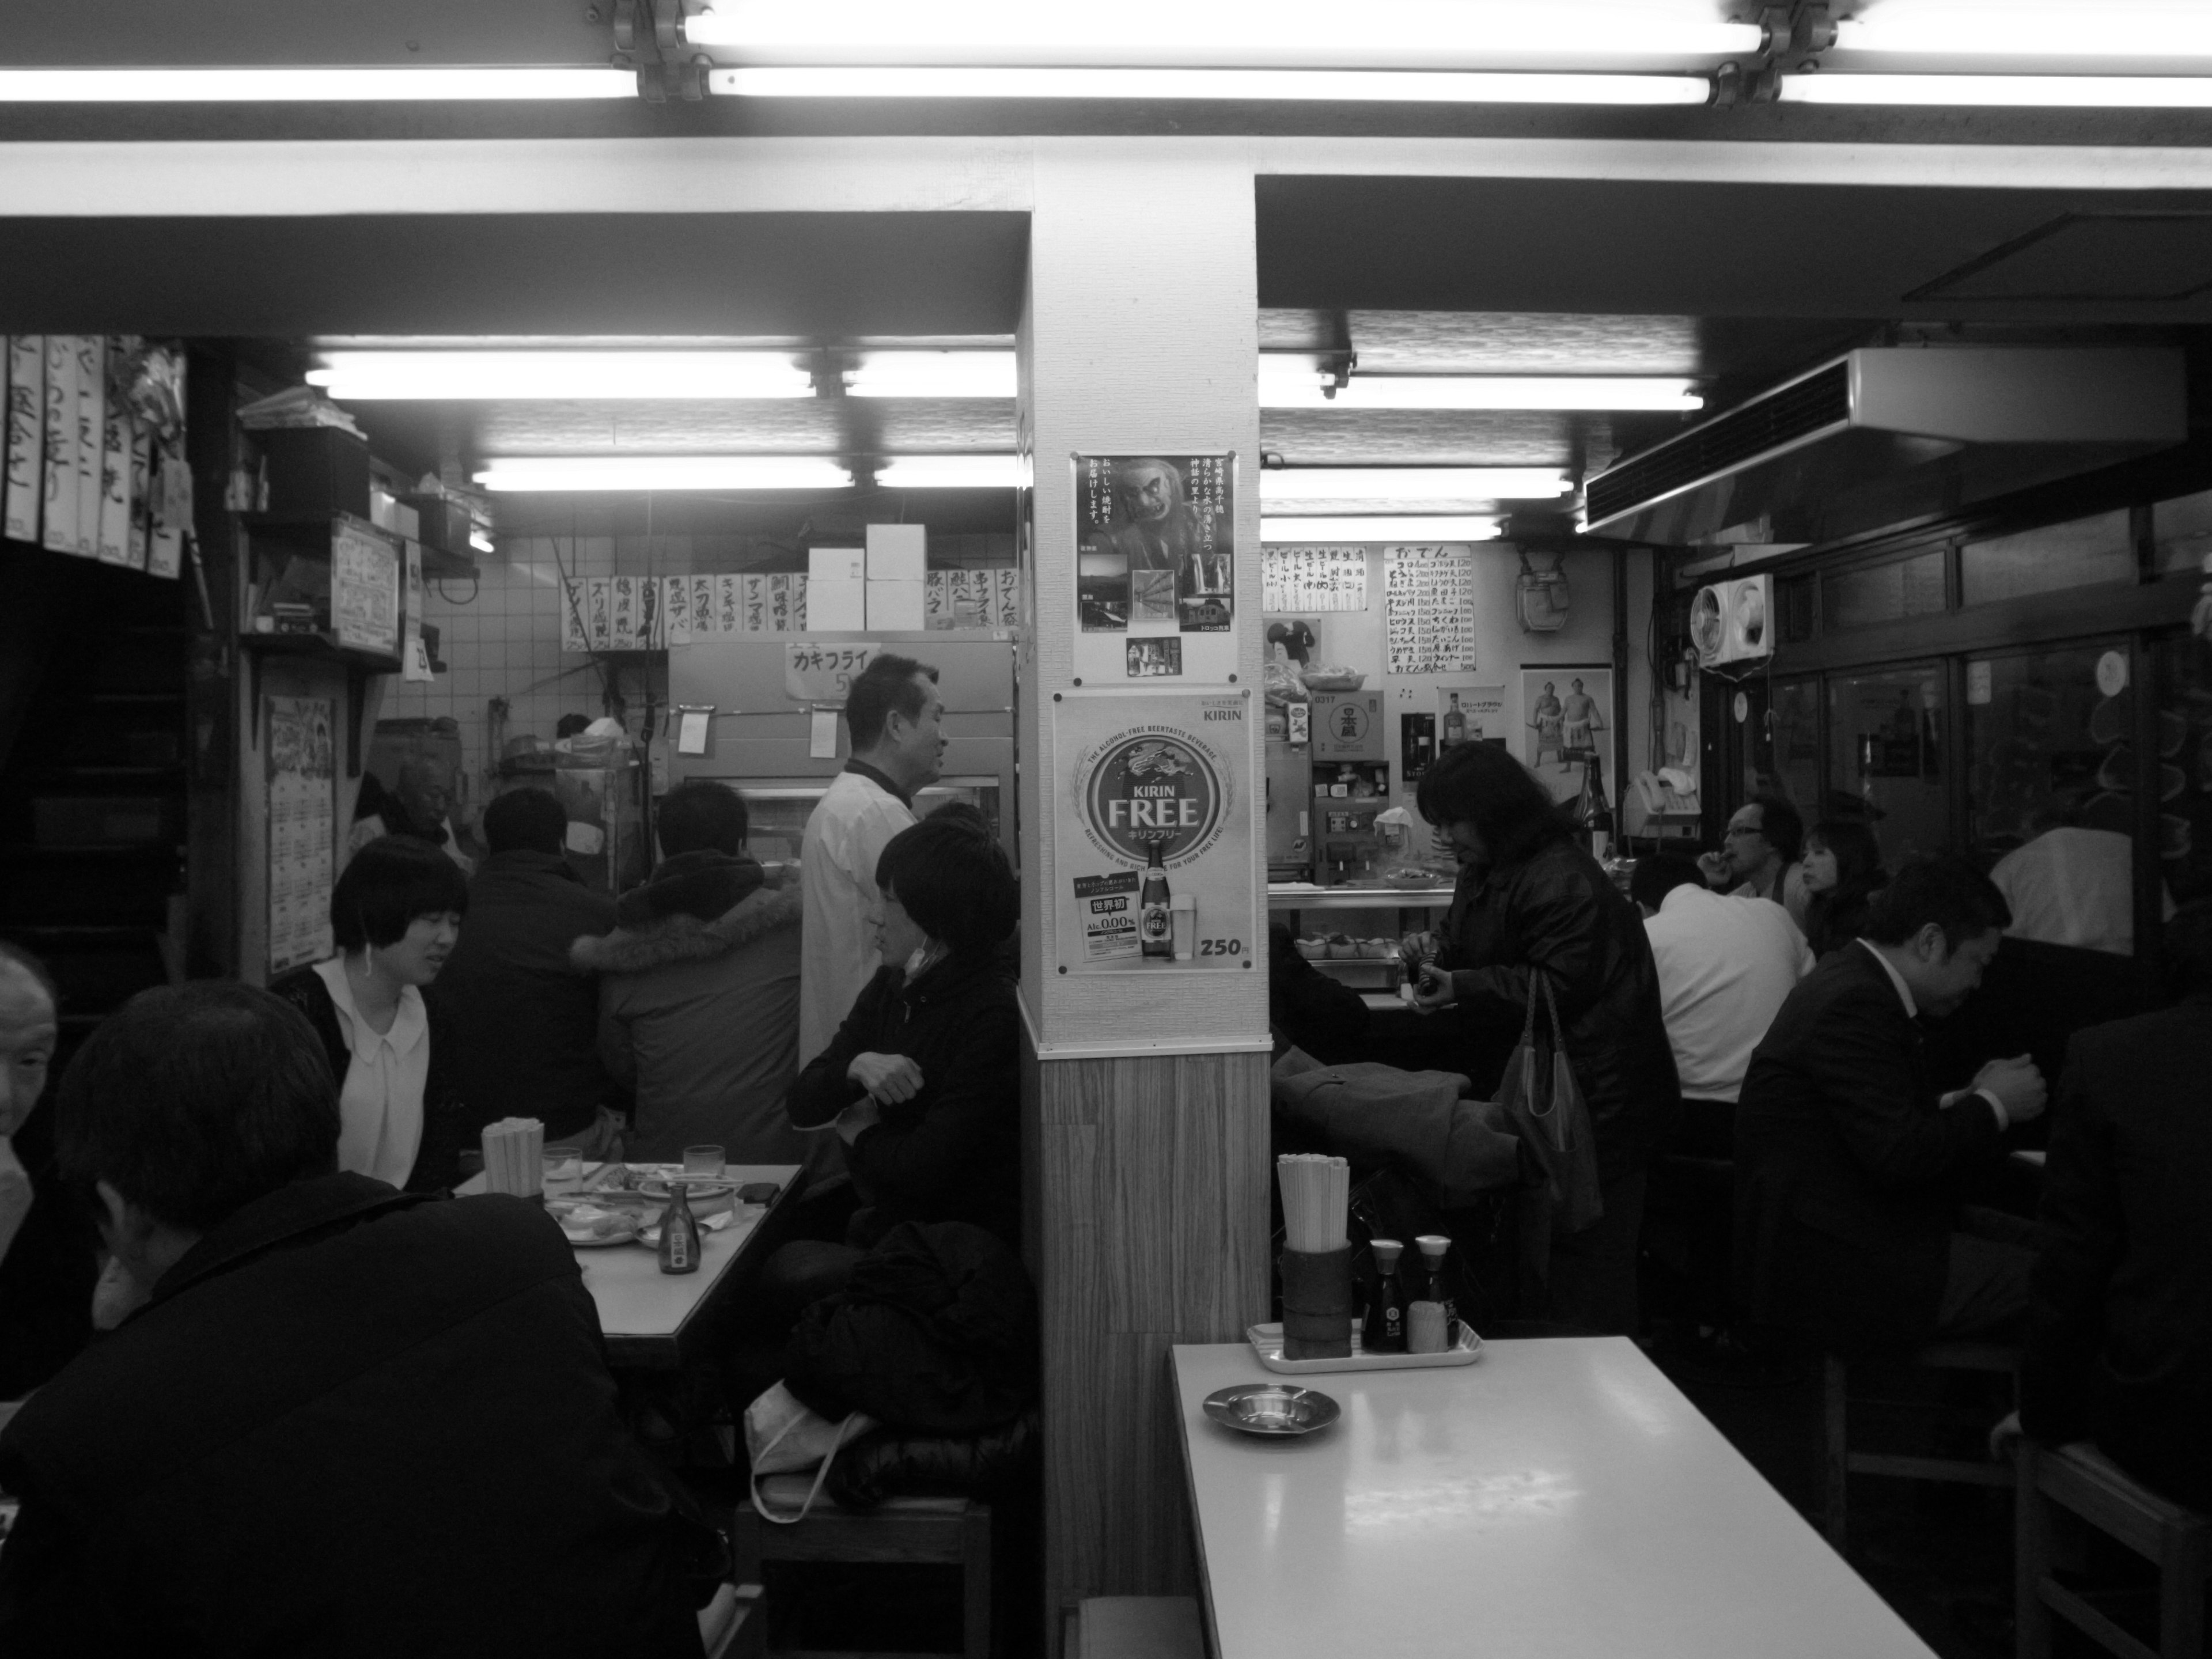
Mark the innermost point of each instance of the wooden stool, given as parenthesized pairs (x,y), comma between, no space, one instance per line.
(942,1531)
(1838,1462)
(1138,1628)
(2081,1481)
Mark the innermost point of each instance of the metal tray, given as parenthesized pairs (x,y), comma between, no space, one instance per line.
(1267,1342)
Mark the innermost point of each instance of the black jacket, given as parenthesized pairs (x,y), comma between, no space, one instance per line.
(953,1152)
(1557,910)
(449,1123)
(47,1275)
(2120,1324)
(1847,1169)
(350,1421)
(526,1023)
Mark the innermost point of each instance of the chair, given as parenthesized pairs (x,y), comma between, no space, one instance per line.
(940,1531)
(2082,1482)
(1137,1627)
(1838,1462)
(729,1624)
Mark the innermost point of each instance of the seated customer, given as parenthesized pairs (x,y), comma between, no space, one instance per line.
(346,1419)
(47,1262)
(1843,873)
(1758,859)
(699,993)
(395,913)
(1848,1228)
(921,1081)
(2119,1345)
(525,1022)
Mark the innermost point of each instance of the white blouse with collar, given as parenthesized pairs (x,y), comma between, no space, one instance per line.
(380,1096)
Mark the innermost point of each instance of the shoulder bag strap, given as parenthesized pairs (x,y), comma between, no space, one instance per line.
(762,1508)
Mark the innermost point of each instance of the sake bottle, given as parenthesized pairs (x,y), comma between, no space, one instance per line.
(1432,1247)
(679,1235)
(1384,1331)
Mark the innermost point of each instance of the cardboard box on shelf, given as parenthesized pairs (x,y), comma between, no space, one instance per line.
(896,606)
(837,564)
(837,606)
(899,553)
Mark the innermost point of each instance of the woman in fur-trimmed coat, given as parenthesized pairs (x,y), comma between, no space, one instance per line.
(699,1011)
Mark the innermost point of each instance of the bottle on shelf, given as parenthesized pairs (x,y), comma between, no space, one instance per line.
(679,1234)
(1155,925)
(1384,1329)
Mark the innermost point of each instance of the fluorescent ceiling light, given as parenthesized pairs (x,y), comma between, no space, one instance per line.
(368,376)
(602,472)
(1449,527)
(308,86)
(950,472)
(2009,29)
(1396,33)
(933,374)
(1278,487)
(1297,384)
(1332,85)
(2018,91)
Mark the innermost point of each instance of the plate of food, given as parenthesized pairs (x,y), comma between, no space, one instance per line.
(591,1227)
(696,1188)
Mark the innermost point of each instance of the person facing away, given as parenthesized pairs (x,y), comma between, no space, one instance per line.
(2119,1345)
(699,993)
(47,1260)
(524,1023)
(1843,873)
(396,913)
(1849,1224)
(344,1418)
(1760,857)
(1726,965)
(894,716)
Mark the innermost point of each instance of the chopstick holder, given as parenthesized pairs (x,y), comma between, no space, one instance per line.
(1315,1265)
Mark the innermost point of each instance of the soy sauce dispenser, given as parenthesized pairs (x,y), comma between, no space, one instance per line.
(679,1234)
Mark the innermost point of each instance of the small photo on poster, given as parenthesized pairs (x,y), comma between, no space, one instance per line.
(1163,516)
(1159,657)
(1152,595)
(1565,726)
(1102,592)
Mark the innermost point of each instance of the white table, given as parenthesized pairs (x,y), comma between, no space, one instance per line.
(656,1321)
(1555,1497)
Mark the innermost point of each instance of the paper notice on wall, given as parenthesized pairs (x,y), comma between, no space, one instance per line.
(822,734)
(142,505)
(818,672)
(91,436)
(1007,584)
(1313,578)
(364,590)
(27,428)
(575,634)
(1429,610)
(692,727)
(58,517)
(119,432)
(706,622)
(299,758)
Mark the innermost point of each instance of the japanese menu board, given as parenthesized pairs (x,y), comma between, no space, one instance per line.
(1154,555)
(1312,579)
(299,753)
(1429,610)
(364,589)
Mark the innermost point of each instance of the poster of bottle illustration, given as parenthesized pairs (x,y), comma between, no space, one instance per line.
(1155,557)
(1153,849)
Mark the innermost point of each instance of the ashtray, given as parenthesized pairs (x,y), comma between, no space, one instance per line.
(1272,1409)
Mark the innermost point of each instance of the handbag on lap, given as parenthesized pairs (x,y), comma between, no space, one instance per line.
(1539,1089)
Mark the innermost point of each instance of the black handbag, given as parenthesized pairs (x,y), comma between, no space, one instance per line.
(1539,1089)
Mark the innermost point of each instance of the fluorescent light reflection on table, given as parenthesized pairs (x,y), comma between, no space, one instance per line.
(1534,1494)
(1327,86)
(308,86)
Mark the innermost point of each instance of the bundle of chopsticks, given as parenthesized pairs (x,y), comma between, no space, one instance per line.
(514,1155)
(1317,1192)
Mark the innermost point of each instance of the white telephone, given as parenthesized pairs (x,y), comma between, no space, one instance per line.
(1670,791)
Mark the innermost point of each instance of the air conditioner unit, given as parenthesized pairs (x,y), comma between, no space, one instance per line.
(1733,621)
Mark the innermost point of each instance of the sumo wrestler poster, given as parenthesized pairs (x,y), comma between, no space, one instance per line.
(1155,559)
(1137,772)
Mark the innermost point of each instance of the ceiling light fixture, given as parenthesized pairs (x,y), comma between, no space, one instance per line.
(1381,527)
(309,86)
(1979,28)
(1330,86)
(932,374)
(1296,383)
(950,472)
(652,472)
(2016,91)
(364,376)
(1280,486)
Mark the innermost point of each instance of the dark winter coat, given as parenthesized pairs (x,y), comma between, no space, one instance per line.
(953,1152)
(1557,911)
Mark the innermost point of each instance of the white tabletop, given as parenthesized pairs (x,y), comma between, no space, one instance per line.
(1554,1497)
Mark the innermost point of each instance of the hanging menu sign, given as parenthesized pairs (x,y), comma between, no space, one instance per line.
(297,750)
(1429,610)
(1314,579)
(364,589)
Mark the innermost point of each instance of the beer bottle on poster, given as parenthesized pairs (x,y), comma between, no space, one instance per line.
(1155,926)
(1454,724)
(679,1235)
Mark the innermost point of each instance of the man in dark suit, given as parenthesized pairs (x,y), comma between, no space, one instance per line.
(344,1419)
(2120,1326)
(1848,1222)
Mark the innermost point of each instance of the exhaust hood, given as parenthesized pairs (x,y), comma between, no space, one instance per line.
(1885,435)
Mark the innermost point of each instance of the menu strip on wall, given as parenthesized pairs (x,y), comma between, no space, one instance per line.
(1429,610)
(1314,579)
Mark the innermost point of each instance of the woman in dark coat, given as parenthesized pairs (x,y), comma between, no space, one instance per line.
(1530,900)
(1843,873)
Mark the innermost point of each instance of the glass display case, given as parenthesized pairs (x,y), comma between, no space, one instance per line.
(778,809)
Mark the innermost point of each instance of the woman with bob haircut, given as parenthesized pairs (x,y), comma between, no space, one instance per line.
(1843,873)
(921,1080)
(395,914)
(1530,901)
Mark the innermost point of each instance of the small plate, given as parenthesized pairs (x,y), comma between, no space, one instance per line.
(583,1238)
(696,1188)
(1272,1409)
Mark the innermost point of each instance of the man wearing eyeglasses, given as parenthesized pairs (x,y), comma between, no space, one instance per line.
(1760,856)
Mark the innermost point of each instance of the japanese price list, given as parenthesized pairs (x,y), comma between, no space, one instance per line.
(1429,610)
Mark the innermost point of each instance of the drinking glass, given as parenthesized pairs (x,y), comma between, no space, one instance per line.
(704,1161)
(564,1168)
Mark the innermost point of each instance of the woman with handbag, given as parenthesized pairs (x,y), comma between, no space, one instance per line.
(1539,939)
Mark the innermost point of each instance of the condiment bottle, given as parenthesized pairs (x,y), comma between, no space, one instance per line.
(1384,1331)
(679,1235)
(1432,1247)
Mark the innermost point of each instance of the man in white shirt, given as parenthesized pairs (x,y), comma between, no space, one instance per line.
(895,719)
(1726,966)
(1765,838)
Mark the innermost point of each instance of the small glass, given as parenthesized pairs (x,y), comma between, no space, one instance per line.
(1182,914)
(705,1162)
(564,1168)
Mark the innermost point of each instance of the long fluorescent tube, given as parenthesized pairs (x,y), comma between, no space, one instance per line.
(1339,86)
(1299,385)
(1411,483)
(604,472)
(933,374)
(308,86)
(1384,33)
(370,375)
(1382,527)
(2115,28)
(950,472)
(2018,91)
